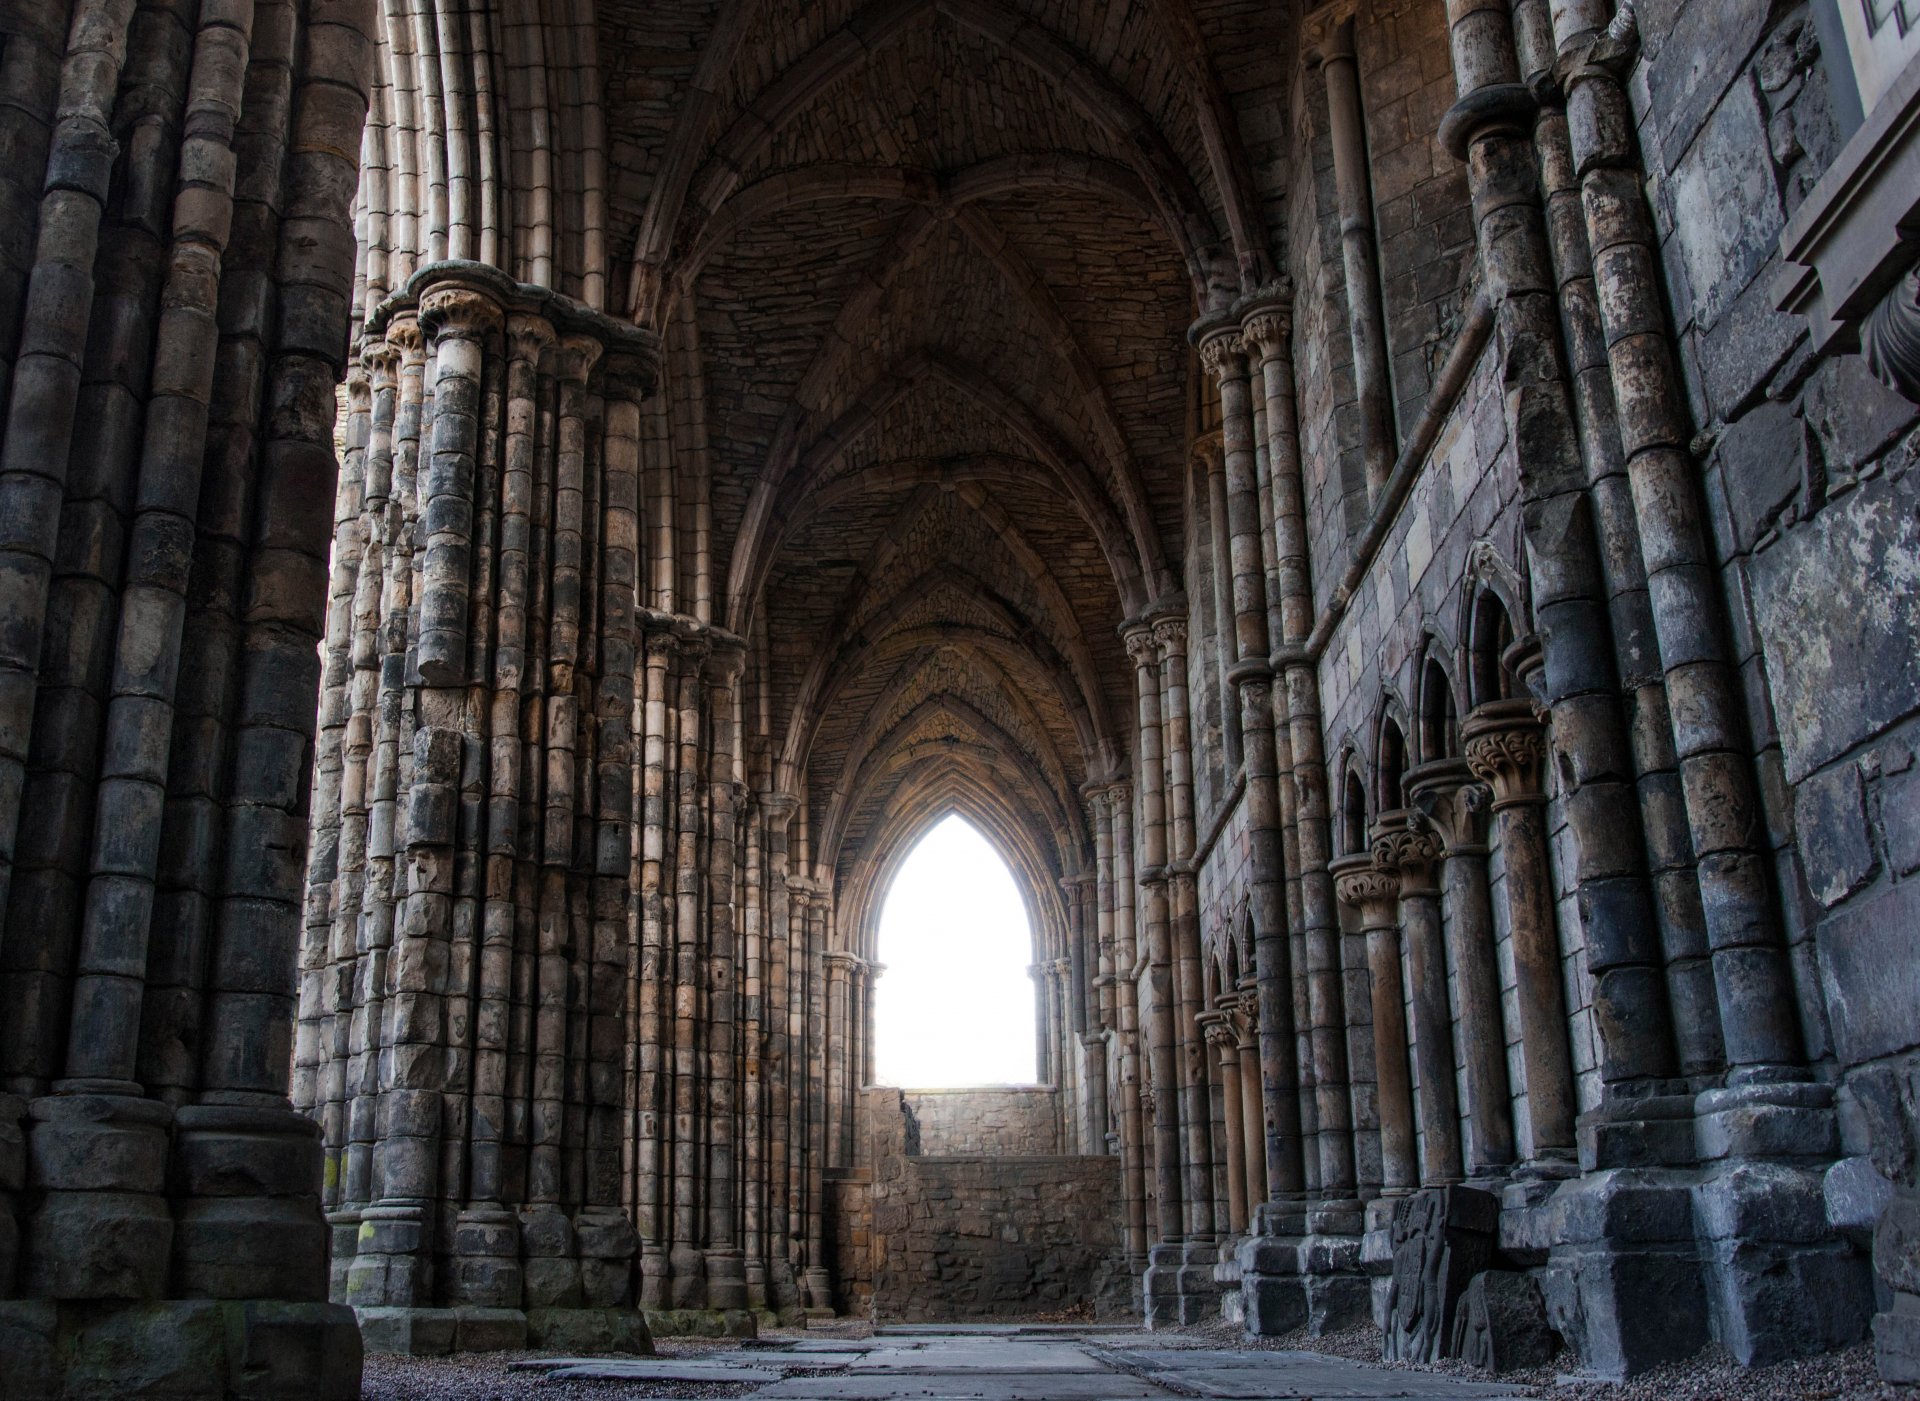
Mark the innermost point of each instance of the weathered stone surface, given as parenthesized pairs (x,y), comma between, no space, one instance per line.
(1441,1238)
(1501,1323)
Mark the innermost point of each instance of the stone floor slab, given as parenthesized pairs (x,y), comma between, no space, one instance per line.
(1276,1376)
(647,1369)
(966,1386)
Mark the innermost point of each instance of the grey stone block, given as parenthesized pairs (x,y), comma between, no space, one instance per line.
(407,1331)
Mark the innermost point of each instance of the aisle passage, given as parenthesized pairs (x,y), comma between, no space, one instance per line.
(1006,1362)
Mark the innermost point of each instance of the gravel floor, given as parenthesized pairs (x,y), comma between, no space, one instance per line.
(489,1377)
(1847,1375)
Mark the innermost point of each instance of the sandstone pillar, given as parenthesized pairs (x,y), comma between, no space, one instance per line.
(1413,849)
(1219,1033)
(1118,802)
(1170,636)
(725,1263)
(1443,790)
(1489,128)
(1267,324)
(1370,883)
(1506,750)
(1759,1023)
(167,408)
(1366,321)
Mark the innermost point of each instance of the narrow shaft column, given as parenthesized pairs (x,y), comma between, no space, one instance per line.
(839,1033)
(1506,749)
(1458,808)
(726,1269)
(1297,734)
(1118,800)
(1253,1145)
(1372,887)
(1170,635)
(1220,1037)
(1267,323)
(685,1257)
(654,1024)
(1157,977)
(779,809)
(1414,850)
(819,1276)
(1366,321)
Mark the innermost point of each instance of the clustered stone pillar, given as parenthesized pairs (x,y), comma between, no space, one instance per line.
(163,585)
(468,992)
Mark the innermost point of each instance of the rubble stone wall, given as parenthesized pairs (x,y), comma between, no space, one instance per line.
(1017,1121)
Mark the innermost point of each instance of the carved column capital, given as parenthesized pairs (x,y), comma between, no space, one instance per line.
(1170,635)
(1404,841)
(1140,647)
(1446,793)
(575,356)
(404,335)
(1266,319)
(1507,749)
(1217,339)
(528,336)
(382,361)
(458,310)
(1371,889)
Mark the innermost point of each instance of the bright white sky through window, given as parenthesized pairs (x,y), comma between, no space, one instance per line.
(955,1006)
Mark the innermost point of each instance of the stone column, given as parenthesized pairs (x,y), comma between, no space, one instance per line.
(686,1259)
(1366,321)
(1219,1032)
(1118,801)
(1162,1064)
(1577,681)
(1170,636)
(1371,885)
(167,412)
(753,1064)
(838,1031)
(654,1088)
(1245,1025)
(1413,848)
(725,1265)
(1266,323)
(1506,750)
(1754,984)
(1443,790)
(782,1290)
(819,1276)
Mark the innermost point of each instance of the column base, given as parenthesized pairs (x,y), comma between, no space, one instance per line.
(1622,1279)
(1781,1281)
(262,1350)
(726,1280)
(485,1271)
(1295,1273)
(819,1291)
(1178,1288)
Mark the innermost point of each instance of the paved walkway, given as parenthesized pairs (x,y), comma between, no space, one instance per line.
(1024,1363)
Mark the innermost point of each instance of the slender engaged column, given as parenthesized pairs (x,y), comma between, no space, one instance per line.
(1445,791)
(1506,749)
(1372,887)
(1226,1049)
(1366,321)
(1414,850)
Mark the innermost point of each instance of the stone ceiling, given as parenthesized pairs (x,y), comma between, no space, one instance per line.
(935,261)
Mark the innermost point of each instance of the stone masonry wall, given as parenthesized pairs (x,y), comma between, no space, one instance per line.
(1014,1122)
(985,1235)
